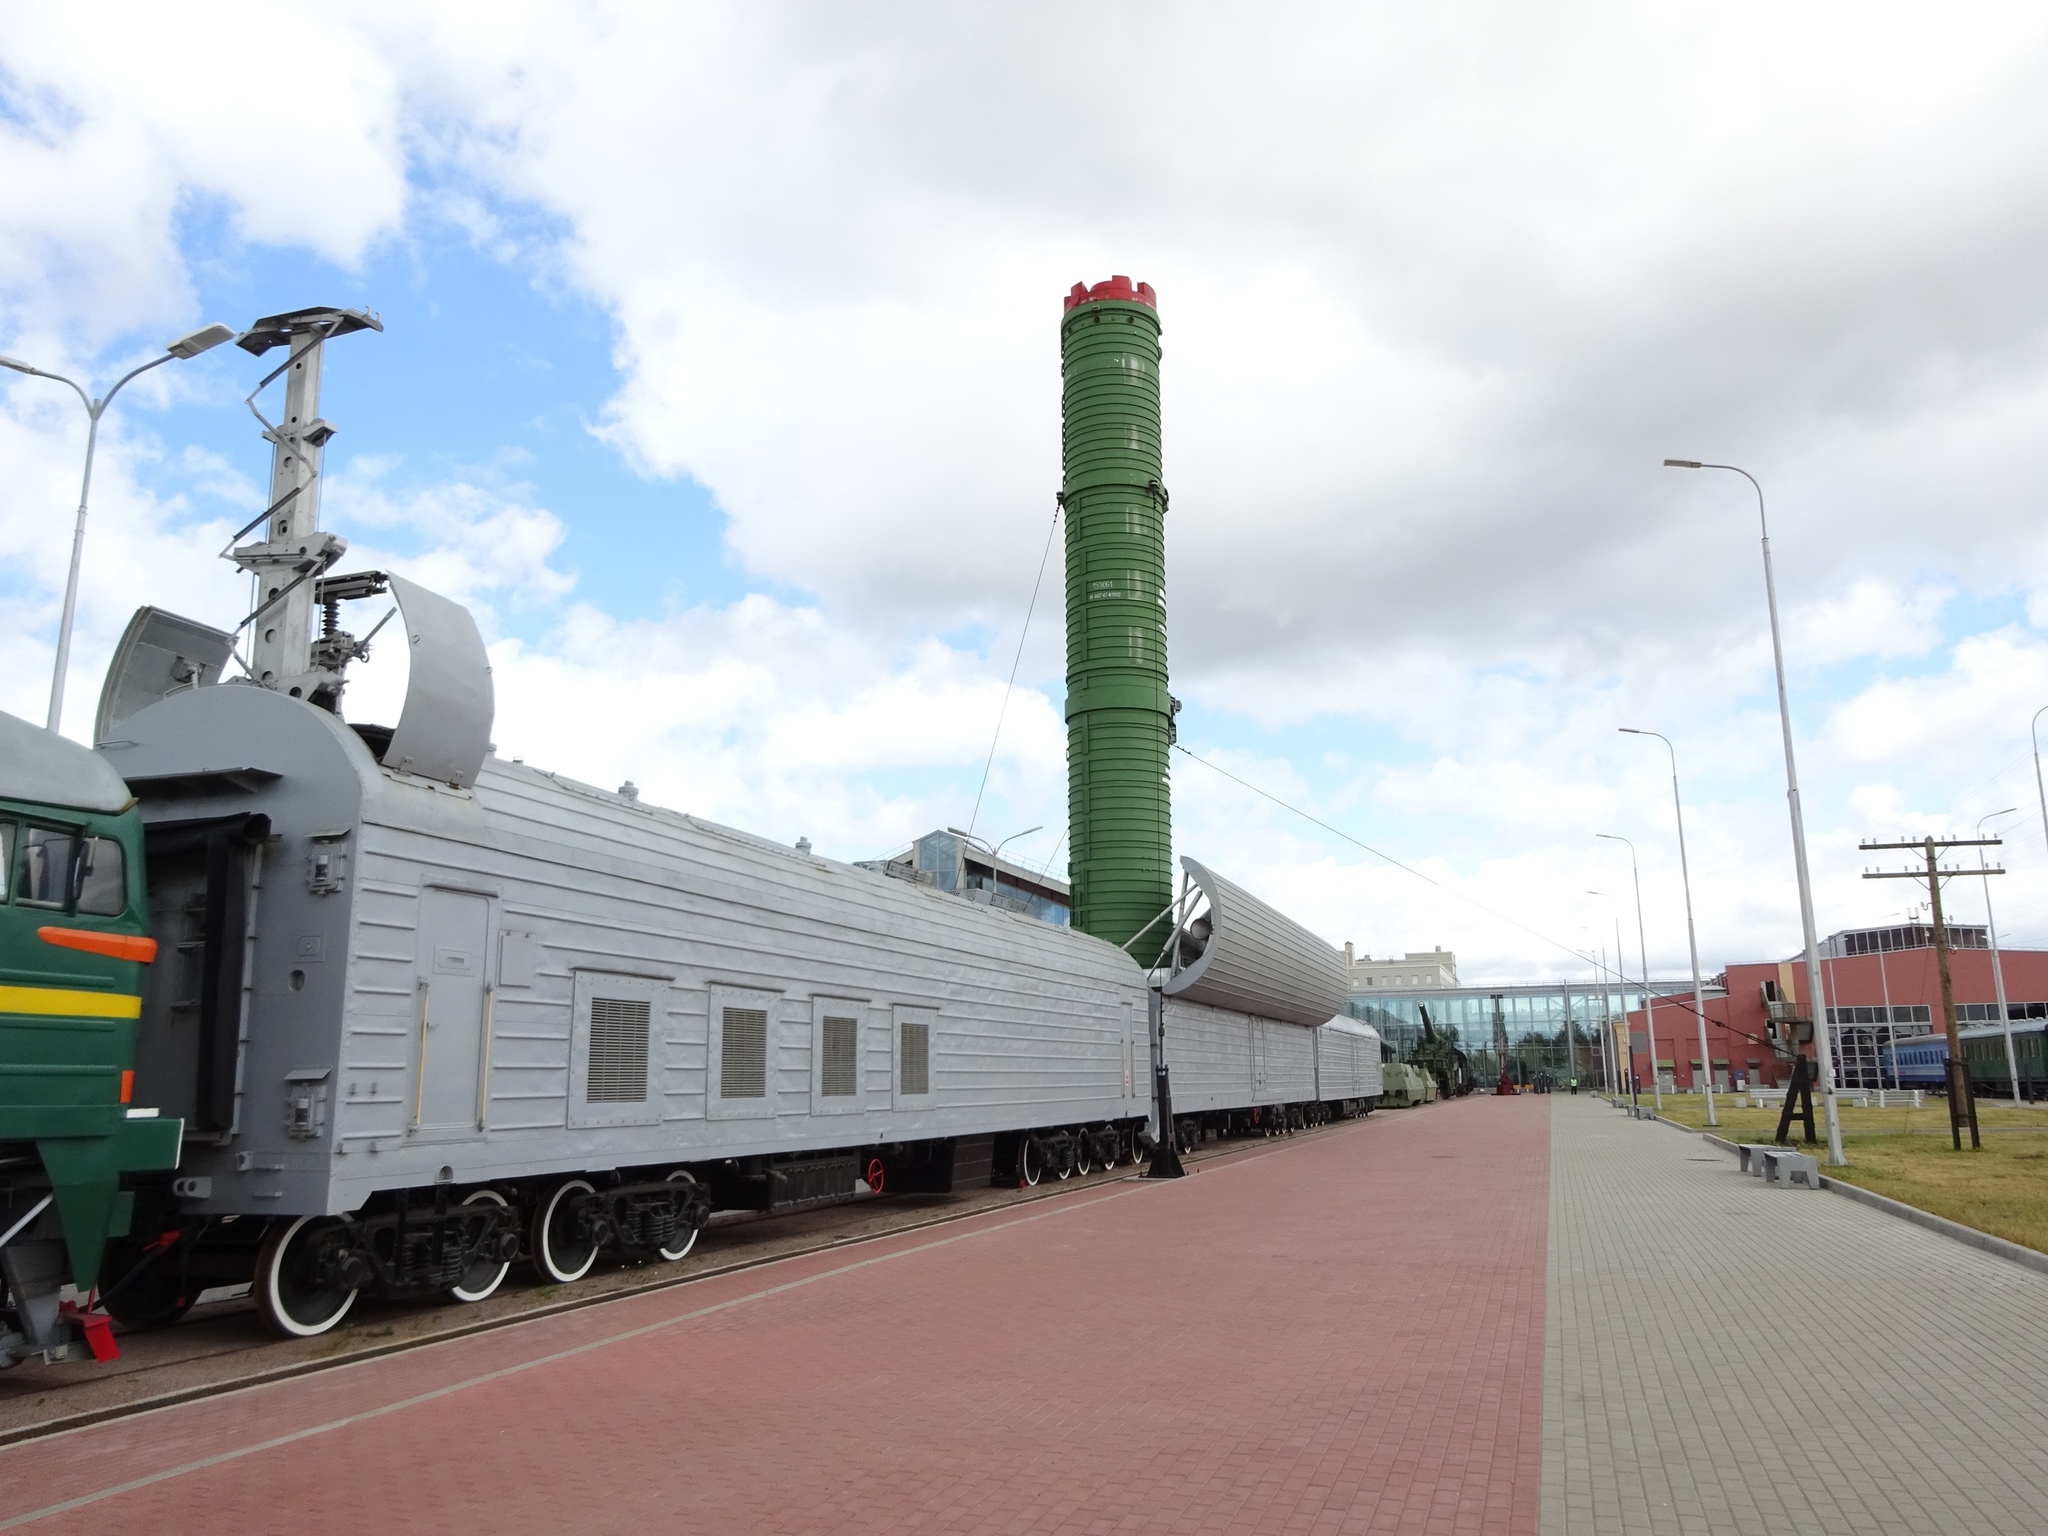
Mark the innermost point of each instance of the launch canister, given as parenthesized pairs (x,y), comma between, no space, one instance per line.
(1119,716)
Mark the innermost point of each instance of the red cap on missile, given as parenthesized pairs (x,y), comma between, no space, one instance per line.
(1115,288)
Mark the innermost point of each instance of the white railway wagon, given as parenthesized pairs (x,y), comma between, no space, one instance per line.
(392,991)
(1348,1062)
(425,1010)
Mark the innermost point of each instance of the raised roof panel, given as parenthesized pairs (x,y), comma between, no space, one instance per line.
(1259,961)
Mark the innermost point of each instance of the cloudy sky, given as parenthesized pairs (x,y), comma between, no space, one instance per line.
(720,377)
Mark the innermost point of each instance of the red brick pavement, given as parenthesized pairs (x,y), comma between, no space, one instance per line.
(1337,1333)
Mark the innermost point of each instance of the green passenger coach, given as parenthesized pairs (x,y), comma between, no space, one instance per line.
(72,952)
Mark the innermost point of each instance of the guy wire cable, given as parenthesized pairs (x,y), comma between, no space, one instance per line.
(1046,555)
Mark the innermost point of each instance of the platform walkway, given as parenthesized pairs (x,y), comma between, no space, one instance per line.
(1487,1316)
(1722,1356)
(1334,1332)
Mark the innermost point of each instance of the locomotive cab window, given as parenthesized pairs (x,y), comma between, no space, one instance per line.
(102,878)
(6,859)
(47,871)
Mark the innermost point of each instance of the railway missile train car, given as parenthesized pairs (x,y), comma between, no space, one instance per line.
(423,1011)
(419,1012)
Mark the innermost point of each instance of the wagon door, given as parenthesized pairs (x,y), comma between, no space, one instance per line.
(1257,1030)
(453,934)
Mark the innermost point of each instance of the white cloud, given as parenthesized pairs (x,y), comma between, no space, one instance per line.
(1441,287)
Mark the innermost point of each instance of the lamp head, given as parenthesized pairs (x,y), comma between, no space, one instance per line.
(205,339)
(1682,464)
(16,364)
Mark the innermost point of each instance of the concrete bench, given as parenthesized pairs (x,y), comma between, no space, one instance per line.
(1778,1165)
(1781,1165)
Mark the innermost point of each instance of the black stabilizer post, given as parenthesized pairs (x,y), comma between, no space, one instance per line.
(1165,1156)
(1798,1096)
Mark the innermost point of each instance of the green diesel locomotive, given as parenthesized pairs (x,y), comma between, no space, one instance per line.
(72,952)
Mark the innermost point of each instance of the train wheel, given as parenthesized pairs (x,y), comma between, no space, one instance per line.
(561,1252)
(1030,1161)
(1112,1150)
(486,1274)
(1084,1154)
(292,1298)
(684,1240)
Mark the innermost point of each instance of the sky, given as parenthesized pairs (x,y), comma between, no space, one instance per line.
(719,377)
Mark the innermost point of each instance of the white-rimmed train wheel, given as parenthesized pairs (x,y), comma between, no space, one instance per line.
(1030,1162)
(292,1301)
(1112,1150)
(486,1274)
(1084,1153)
(685,1239)
(559,1253)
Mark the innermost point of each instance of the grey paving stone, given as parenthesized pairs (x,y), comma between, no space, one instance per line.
(1727,1356)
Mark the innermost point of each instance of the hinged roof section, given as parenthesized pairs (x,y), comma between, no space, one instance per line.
(1258,961)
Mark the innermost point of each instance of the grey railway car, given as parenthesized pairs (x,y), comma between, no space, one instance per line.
(425,1010)
(1225,1060)
(1348,1062)
(532,975)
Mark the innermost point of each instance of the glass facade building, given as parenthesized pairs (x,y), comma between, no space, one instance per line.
(1541,1021)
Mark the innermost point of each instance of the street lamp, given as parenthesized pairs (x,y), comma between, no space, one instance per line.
(1609,1075)
(2012,1064)
(1643,949)
(1692,943)
(1813,977)
(202,340)
(997,851)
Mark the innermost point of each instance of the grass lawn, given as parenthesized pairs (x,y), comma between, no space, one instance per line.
(1905,1153)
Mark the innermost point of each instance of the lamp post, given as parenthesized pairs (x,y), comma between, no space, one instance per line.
(1599,964)
(1699,996)
(202,340)
(1623,1074)
(997,851)
(1642,949)
(1815,992)
(2012,1064)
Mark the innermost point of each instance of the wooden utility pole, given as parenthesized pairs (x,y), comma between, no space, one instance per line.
(1962,1102)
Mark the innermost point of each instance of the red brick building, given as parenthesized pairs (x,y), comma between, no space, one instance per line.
(1879,983)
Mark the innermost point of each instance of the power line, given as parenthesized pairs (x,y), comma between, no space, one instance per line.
(1404,868)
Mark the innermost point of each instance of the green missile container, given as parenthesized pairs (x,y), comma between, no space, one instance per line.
(1119,716)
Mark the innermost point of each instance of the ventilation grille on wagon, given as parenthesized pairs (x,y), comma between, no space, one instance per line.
(743,1055)
(839,1071)
(618,1051)
(917,1057)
